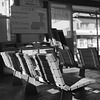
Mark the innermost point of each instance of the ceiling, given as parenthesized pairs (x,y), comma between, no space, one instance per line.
(85,6)
(93,3)
(95,0)
(86,9)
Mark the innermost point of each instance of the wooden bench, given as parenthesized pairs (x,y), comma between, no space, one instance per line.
(89,59)
(55,77)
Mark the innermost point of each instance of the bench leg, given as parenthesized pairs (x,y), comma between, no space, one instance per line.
(66,95)
(16,81)
(80,93)
(30,89)
(82,72)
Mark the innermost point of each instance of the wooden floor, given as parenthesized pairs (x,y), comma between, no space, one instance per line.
(46,92)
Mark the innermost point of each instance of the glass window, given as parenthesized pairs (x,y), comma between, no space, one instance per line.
(61,18)
(5,7)
(5,13)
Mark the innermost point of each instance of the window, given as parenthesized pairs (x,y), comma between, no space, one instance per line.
(61,18)
(5,13)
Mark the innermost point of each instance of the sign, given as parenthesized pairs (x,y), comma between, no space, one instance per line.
(37,3)
(28,20)
(28,2)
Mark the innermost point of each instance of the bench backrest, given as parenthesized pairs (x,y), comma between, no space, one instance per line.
(52,71)
(6,60)
(23,63)
(44,68)
(89,58)
(57,75)
(15,62)
(67,58)
(30,64)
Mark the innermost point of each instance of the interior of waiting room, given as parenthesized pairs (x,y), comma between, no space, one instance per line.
(49,50)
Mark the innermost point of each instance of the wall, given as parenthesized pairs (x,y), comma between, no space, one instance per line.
(3,29)
(30,38)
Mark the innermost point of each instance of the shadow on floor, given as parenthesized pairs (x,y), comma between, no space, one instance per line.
(46,92)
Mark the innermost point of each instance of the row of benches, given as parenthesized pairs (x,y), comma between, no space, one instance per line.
(44,67)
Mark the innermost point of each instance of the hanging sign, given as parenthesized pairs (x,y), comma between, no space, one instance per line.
(37,3)
(28,20)
(28,2)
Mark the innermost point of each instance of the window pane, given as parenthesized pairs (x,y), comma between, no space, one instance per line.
(61,16)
